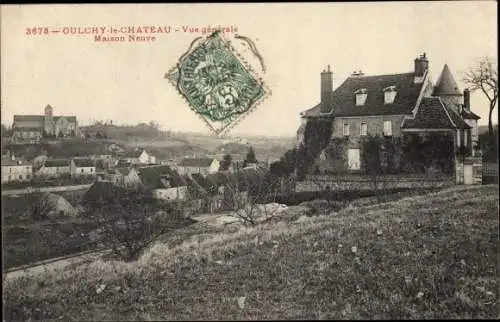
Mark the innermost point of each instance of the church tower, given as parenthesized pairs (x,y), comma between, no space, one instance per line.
(49,120)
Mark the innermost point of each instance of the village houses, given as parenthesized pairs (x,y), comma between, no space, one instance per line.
(15,169)
(82,167)
(393,105)
(165,183)
(126,177)
(203,166)
(138,156)
(54,168)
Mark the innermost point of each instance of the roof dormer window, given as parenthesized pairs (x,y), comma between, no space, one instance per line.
(361,95)
(389,94)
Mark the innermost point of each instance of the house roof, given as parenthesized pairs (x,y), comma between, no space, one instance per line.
(123,171)
(71,118)
(195,190)
(470,115)
(446,84)
(313,112)
(7,161)
(344,97)
(49,163)
(207,184)
(133,153)
(196,162)
(40,118)
(455,117)
(152,177)
(83,163)
(431,114)
(28,118)
(102,191)
(21,128)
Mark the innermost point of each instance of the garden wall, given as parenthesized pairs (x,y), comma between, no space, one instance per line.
(356,182)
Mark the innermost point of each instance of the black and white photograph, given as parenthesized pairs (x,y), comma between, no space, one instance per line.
(249,161)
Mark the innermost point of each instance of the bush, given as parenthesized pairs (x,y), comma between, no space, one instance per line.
(130,221)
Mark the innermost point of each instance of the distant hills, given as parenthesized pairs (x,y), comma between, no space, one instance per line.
(484,128)
(175,145)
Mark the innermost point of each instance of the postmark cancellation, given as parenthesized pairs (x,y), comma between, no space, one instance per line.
(217,83)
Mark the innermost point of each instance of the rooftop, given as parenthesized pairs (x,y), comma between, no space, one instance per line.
(344,97)
(7,161)
(84,163)
(50,163)
(446,84)
(196,162)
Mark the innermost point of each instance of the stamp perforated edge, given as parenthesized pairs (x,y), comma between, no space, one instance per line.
(267,92)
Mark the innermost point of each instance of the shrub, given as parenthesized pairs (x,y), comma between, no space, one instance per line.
(130,221)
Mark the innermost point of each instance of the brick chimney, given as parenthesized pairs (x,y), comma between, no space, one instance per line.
(326,90)
(421,65)
(467,100)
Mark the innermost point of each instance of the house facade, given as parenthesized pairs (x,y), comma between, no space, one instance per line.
(203,166)
(55,168)
(38,126)
(139,156)
(125,177)
(82,168)
(15,169)
(391,106)
(164,183)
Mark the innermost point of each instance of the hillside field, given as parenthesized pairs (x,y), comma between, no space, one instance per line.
(422,257)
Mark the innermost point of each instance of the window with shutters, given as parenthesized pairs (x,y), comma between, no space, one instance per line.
(346,129)
(363,129)
(361,95)
(387,128)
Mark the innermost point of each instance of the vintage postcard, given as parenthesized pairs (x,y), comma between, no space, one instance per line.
(237,161)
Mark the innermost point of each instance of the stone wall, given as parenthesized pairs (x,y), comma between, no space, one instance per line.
(346,182)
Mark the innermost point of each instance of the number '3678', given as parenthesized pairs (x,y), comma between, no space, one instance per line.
(37,31)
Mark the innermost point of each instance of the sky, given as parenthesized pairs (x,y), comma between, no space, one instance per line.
(124,81)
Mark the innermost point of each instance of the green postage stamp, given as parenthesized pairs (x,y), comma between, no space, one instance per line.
(217,83)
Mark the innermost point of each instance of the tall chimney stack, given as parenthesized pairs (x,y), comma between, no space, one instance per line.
(421,65)
(326,90)
(467,100)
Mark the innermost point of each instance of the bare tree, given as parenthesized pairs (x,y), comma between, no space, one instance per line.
(484,77)
(40,205)
(248,200)
(129,222)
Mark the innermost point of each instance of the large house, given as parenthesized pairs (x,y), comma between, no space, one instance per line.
(203,166)
(138,156)
(82,167)
(38,126)
(15,169)
(164,183)
(392,105)
(55,168)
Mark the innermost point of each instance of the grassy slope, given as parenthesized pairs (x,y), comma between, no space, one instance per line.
(436,258)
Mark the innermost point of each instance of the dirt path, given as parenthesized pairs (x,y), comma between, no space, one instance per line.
(55,263)
(45,189)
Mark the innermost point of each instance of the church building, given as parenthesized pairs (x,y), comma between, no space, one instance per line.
(47,125)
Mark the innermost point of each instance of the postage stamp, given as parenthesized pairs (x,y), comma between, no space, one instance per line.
(217,82)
